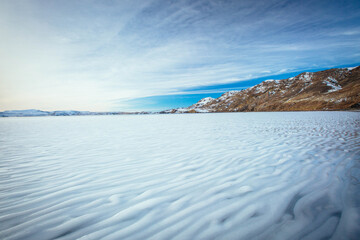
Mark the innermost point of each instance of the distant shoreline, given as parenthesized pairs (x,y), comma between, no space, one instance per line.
(186,113)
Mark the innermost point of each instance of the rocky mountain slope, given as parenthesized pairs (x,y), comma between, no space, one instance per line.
(333,89)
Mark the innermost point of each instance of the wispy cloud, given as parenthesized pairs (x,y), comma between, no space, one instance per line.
(96,55)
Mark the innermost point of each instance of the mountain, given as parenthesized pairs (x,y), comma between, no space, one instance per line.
(333,89)
(24,113)
(37,113)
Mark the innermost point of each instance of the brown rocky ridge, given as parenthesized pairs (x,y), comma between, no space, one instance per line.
(333,89)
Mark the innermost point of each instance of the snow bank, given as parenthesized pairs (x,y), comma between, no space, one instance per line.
(191,176)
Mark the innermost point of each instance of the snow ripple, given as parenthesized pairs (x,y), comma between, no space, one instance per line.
(193,176)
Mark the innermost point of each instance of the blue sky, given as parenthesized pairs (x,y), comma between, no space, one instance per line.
(133,55)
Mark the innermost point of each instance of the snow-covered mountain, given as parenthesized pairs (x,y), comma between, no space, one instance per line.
(35,113)
(333,89)
(24,113)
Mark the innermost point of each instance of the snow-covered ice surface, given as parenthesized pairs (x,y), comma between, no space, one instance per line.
(288,175)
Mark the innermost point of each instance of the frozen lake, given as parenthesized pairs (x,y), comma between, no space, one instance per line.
(191,176)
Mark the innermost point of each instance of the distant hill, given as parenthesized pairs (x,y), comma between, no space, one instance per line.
(333,89)
(37,113)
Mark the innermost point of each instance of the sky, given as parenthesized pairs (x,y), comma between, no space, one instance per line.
(150,55)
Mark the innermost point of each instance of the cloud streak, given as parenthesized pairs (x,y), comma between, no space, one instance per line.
(93,55)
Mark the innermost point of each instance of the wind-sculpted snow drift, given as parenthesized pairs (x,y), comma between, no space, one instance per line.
(195,176)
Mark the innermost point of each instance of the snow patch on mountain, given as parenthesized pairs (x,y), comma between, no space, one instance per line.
(205,101)
(181,110)
(200,104)
(272,81)
(350,68)
(306,77)
(260,88)
(333,83)
(228,94)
